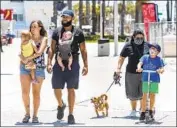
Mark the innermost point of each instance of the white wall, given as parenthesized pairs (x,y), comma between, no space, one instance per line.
(36,10)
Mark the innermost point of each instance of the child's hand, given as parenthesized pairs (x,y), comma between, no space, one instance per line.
(139,70)
(160,71)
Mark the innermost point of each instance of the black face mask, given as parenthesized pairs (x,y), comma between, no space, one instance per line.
(138,41)
(67,24)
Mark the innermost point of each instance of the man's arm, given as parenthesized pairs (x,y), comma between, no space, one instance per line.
(84,53)
(51,52)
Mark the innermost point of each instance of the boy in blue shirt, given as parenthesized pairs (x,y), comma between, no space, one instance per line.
(154,63)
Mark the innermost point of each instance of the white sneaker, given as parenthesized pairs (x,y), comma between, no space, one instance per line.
(133,113)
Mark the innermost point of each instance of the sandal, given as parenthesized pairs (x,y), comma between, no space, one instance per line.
(26,119)
(35,120)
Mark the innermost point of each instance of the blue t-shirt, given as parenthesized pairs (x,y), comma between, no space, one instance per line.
(151,64)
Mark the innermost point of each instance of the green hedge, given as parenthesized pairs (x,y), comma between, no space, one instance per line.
(95,38)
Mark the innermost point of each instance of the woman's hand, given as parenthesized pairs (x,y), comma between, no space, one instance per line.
(139,70)
(25,60)
(118,72)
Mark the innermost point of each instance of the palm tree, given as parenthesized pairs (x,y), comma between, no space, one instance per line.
(98,18)
(122,17)
(103,12)
(54,18)
(80,13)
(69,4)
(94,23)
(87,12)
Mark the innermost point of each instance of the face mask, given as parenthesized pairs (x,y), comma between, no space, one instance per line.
(67,24)
(138,41)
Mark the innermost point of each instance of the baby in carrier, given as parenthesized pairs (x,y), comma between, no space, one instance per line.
(65,50)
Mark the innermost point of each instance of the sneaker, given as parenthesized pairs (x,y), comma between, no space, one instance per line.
(60,113)
(142,116)
(133,113)
(71,119)
(151,113)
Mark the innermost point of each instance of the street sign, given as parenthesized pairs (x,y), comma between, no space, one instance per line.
(159,13)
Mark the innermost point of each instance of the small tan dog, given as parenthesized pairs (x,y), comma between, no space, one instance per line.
(101,104)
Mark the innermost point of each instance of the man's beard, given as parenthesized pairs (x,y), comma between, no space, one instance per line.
(67,24)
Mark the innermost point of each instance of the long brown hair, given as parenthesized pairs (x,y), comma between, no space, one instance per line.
(43,32)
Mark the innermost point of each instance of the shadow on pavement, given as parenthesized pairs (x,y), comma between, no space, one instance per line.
(27,124)
(55,124)
(127,117)
(61,124)
(150,123)
(100,117)
(6,74)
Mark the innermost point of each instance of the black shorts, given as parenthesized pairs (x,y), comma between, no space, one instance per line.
(70,77)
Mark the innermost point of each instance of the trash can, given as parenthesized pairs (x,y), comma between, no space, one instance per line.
(103,47)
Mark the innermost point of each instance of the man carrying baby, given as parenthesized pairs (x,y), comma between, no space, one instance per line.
(69,76)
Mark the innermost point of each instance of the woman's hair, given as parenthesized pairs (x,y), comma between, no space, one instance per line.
(136,32)
(43,32)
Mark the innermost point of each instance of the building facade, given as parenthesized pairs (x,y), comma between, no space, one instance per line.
(26,11)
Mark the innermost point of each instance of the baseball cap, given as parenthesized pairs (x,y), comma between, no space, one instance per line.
(68,13)
(155,45)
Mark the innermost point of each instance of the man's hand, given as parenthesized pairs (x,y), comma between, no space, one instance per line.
(49,68)
(84,70)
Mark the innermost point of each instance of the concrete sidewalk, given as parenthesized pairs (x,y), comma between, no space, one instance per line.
(95,83)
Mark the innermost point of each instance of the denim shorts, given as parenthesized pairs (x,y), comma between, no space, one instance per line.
(39,72)
(70,77)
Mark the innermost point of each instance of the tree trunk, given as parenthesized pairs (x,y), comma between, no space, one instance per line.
(94,23)
(103,11)
(138,15)
(98,20)
(122,17)
(87,12)
(69,4)
(80,13)
(54,18)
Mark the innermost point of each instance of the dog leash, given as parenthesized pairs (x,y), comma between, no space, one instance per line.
(116,81)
